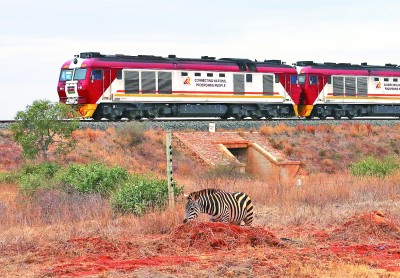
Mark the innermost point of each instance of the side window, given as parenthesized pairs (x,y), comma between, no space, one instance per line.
(164,82)
(119,74)
(148,82)
(131,82)
(249,78)
(313,79)
(293,79)
(97,75)
(276,78)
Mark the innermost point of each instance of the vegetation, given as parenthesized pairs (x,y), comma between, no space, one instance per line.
(38,127)
(67,227)
(141,194)
(371,166)
(127,193)
(93,178)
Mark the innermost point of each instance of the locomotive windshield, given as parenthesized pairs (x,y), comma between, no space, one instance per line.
(80,74)
(66,75)
(302,78)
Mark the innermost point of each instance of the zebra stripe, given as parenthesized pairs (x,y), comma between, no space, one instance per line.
(221,205)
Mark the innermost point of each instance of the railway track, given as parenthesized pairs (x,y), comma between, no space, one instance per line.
(202,124)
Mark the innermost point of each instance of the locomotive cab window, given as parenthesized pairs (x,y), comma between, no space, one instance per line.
(302,78)
(65,75)
(80,74)
(293,79)
(96,75)
(313,79)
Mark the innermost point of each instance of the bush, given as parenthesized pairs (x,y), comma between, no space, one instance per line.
(33,177)
(371,166)
(141,194)
(8,178)
(93,178)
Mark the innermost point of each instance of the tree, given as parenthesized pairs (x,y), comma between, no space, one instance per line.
(39,127)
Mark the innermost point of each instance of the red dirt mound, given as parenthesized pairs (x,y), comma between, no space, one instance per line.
(368,227)
(206,236)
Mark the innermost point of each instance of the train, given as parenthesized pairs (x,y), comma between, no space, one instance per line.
(118,86)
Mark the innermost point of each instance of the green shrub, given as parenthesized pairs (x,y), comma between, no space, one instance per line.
(47,169)
(93,178)
(32,177)
(8,178)
(29,184)
(371,166)
(141,194)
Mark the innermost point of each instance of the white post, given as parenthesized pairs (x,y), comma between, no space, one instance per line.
(211,127)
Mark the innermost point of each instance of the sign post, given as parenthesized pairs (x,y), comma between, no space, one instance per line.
(170,178)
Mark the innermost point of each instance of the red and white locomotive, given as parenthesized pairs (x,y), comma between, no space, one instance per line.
(347,90)
(121,86)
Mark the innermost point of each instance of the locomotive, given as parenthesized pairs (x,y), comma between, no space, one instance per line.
(347,90)
(146,86)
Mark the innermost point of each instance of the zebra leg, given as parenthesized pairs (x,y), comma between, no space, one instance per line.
(248,219)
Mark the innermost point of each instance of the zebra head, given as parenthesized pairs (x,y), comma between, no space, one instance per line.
(192,208)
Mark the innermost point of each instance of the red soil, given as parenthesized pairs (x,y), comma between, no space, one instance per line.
(369,239)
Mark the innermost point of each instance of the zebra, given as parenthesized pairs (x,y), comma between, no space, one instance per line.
(223,206)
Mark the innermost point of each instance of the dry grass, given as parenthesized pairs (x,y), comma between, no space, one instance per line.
(326,197)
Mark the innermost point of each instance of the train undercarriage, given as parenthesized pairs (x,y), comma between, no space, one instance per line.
(137,111)
(350,111)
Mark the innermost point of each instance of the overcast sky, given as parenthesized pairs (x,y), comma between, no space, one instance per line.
(37,37)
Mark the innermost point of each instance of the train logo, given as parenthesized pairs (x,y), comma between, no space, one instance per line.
(187,81)
(379,85)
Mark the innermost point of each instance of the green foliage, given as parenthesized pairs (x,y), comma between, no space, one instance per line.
(371,166)
(128,193)
(33,177)
(38,127)
(93,178)
(141,194)
(8,178)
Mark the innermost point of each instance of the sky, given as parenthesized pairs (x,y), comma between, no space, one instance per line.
(37,37)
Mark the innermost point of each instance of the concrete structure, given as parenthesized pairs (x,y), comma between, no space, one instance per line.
(250,152)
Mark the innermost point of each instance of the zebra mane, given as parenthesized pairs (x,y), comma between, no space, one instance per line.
(208,191)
